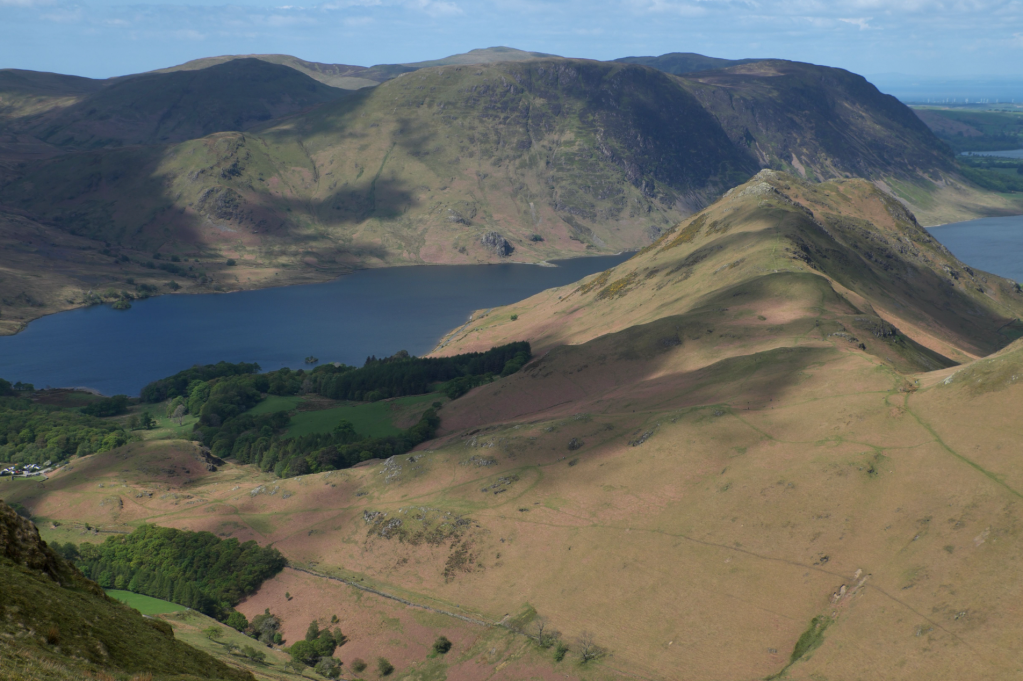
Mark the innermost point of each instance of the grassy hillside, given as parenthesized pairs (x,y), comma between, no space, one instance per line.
(159,108)
(678,63)
(59,625)
(864,243)
(24,93)
(343,76)
(966,129)
(349,77)
(781,433)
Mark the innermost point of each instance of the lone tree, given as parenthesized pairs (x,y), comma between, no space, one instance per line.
(384,667)
(545,635)
(442,645)
(179,414)
(588,648)
(213,633)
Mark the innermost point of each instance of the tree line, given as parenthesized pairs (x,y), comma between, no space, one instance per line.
(222,395)
(196,569)
(36,433)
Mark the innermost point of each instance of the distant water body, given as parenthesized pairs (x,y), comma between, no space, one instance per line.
(991,244)
(371,312)
(1011,153)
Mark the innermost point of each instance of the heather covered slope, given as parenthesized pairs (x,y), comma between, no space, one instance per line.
(58,625)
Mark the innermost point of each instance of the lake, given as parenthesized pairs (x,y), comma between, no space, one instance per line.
(991,244)
(371,312)
(1011,153)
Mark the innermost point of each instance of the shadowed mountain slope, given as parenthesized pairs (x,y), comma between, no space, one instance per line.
(819,122)
(58,625)
(172,107)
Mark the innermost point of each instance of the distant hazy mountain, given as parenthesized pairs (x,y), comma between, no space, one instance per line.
(684,62)
(350,77)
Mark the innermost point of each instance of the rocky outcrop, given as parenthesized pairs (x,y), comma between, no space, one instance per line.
(497,244)
(20,542)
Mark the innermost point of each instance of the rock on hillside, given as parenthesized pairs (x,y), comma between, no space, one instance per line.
(21,545)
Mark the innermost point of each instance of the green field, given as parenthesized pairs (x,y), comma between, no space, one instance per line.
(374,419)
(274,403)
(147,605)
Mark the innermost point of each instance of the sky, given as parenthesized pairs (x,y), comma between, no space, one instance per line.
(947,39)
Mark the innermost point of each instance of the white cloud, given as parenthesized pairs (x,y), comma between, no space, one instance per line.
(188,34)
(68,16)
(435,8)
(345,4)
(863,23)
(687,9)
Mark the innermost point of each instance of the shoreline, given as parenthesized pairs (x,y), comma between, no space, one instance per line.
(309,278)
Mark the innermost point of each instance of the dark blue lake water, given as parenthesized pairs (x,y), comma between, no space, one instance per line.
(991,244)
(371,312)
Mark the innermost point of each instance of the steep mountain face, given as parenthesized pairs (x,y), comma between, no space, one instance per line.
(59,625)
(582,154)
(678,63)
(171,107)
(819,122)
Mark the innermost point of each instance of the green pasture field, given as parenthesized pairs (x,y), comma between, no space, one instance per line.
(147,605)
(274,403)
(373,419)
